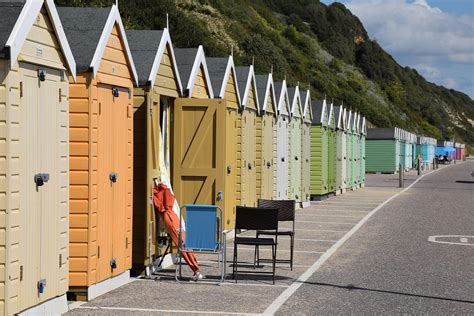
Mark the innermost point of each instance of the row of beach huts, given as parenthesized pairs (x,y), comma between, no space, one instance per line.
(92,115)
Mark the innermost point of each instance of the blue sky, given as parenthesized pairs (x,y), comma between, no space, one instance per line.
(436,37)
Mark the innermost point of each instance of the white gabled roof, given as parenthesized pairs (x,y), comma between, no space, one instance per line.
(199,61)
(296,102)
(114,17)
(23,25)
(230,68)
(282,98)
(165,41)
(249,83)
(307,108)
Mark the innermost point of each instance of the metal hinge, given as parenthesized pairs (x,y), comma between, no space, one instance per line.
(98,251)
(60,97)
(21,273)
(129,93)
(21,89)
(126,242)
(60,260)
(100,108)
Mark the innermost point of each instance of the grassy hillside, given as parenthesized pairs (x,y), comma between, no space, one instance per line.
(322,47)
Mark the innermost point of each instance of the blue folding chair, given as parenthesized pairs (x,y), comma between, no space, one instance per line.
(204,234)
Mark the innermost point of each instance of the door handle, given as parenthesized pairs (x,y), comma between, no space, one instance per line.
(41,178)
(113,177)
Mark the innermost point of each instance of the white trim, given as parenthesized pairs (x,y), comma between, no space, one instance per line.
(281,100)
(199,60)
(114,17)
(295,103)
(251,79)
(165,40)
(307,108)
(331,116)
(230,67)
(348,121)
(323,113)
(23,25)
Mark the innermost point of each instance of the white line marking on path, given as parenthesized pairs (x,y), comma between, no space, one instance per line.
(283,297)
(151,310)
(463,239)
(455,240)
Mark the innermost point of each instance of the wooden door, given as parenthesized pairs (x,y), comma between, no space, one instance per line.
(114,198)
(267,157)
(105,211)
(231,168)
(282,158)
(41,206)
(120,189)
(198,150)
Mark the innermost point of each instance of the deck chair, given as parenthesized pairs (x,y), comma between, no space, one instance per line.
(286,213)
(254,218)
(204,234)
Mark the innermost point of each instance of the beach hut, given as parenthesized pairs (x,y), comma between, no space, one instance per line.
(199,131)
(319,151)
(101,151)
(283,118)
(339,115)
(332,157)
(266,139)
(445,148)
(295,134)
(159,87)
(250,109)
(354,152)
(306,150)
(363,135)
(348,129)
(426,148)
(459,151)
(36,65)
(224,83)
(462,154)
(383,150)
(408,150)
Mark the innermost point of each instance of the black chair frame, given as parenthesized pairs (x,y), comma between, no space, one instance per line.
(254,218)
(286,213)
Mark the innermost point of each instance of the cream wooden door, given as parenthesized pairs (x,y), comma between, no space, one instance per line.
(40,154)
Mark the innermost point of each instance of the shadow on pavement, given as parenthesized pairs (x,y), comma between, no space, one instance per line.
(351,287)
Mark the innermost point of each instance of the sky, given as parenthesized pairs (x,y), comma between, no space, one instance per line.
(435,37)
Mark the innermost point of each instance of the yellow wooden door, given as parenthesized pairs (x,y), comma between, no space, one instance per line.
(198,149)
(231,169)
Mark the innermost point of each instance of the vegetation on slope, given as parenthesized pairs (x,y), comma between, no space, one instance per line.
(322,47)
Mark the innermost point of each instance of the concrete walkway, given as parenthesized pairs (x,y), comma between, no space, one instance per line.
(320,228)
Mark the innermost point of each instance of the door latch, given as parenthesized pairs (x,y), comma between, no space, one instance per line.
(220,196)
(229,169)
(249,165)
(41,285)
(269,164)
(113,177)
(41,178)
(113,263)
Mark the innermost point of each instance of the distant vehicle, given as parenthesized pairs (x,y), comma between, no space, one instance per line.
(443,159)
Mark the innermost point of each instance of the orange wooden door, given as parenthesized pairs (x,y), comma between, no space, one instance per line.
(199,136)
(120,192)
(104,185)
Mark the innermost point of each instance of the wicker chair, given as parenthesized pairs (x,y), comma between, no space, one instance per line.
(286,213)
(253,218)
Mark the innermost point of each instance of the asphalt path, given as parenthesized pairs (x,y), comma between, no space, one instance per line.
(392,265)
